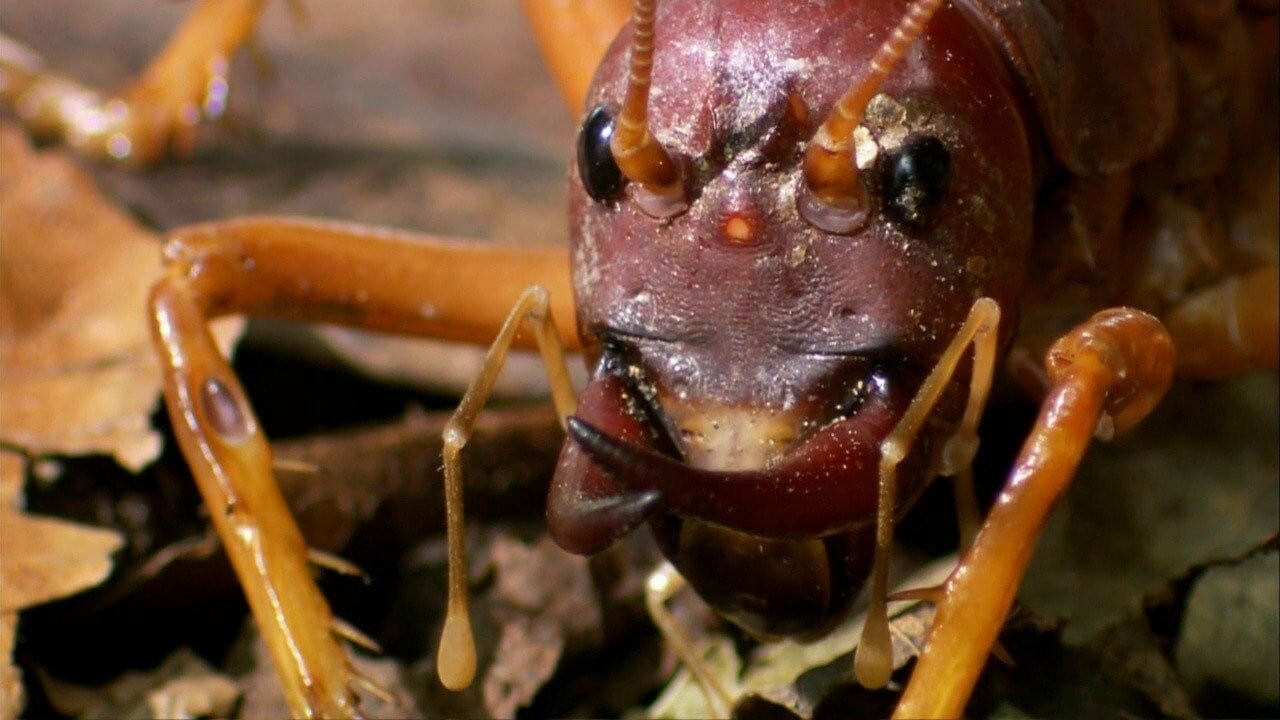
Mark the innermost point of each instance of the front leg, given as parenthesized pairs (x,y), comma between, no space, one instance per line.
(155,114)
(309,271)
(1105,376)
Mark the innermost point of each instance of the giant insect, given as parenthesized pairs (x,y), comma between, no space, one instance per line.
(785,237)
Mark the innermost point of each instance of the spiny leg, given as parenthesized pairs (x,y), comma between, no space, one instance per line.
(456,658)
(231,464)
(1106,375)
(873,660)
(157,112)
(316,271)
(663,584)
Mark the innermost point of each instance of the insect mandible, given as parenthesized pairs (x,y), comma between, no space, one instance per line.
(784,222)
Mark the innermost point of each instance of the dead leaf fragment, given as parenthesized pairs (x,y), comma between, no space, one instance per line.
(548,583)
(77,372)
(547,605)
(12,695)
(41,559)
(183,686)
(528,652)
(46,558)
(1130,654)
(206,695)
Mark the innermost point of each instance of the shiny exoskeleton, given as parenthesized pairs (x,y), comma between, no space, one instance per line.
(748,362)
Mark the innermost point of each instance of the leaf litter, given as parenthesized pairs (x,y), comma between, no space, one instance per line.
(79,373)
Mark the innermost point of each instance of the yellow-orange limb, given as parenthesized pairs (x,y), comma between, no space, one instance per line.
(873,660)
(662,585)
(158,112)
(456,658)
(573,36)
(960,449)
(317,272)
(373,278)
(1229,328)
(231,464)
(1116,365)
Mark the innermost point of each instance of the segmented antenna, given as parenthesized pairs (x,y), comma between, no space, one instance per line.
(829,168)
(641,158)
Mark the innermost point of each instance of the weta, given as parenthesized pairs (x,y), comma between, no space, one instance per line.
(788,226)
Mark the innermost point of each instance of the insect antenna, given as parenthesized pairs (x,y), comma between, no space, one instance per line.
(830,173)
(640,157)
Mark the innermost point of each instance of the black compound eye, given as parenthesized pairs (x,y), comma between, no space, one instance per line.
(915,177)
(600,175)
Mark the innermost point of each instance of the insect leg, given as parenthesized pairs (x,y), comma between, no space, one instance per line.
(662,585)
(310,271)
(456,659)
(1229,328)
(1105,375)
(573,35)
(873,661)
(231,464)
(957,456)
(158,112)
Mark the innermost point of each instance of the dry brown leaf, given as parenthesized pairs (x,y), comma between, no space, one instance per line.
(183,686)
(41,559)
(528,652)
(551,606)
(12,696)
(192,697)
(47,558)
(77,372)
(1230,633)
(12,475)
(544,581)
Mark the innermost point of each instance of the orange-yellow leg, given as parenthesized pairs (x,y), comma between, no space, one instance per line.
(1229,328)
(311,271)
(573,35)
(456,656)
(1105,375)
(873,660)
(662,585)
(158,112)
